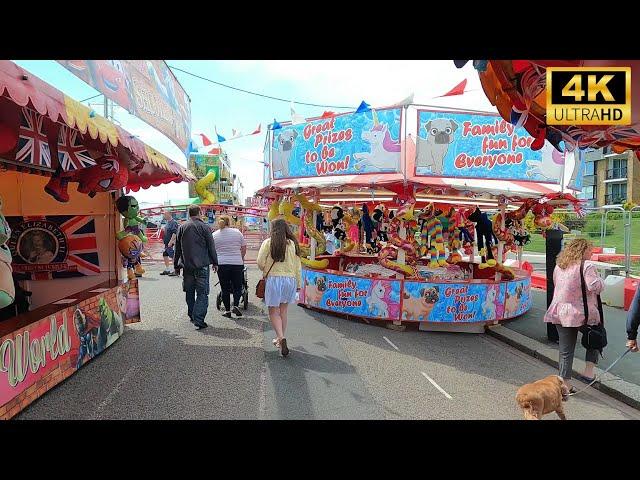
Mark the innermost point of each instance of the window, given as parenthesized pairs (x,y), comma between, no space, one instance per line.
(590,168)
(588,193)
(616,193)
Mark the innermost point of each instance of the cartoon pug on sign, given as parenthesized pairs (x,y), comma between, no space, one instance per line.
(433,148)
(413,308)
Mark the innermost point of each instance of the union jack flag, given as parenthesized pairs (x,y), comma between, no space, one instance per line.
(67,246)
(33,145)
(72,153)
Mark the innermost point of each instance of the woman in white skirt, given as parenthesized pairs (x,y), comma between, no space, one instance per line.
(279,261)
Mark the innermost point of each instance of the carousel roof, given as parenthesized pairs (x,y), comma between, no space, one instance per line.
(20,88)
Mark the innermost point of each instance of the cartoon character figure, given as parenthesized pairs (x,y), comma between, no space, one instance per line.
(432,149)
(282,151)
(111,77)
(111,326)
(7,288)
(385,152)
(513,302)
(87,333)
(313,293)
(376,304)
(129,209)
(489,304)
(110,174)
(413,308)
(551,165)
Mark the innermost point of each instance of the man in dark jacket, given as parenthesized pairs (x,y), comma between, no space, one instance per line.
(194,252)
(633,321)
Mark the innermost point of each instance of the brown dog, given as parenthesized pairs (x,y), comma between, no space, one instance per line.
(544,396)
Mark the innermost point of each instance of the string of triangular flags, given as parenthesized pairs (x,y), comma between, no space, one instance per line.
(297,119)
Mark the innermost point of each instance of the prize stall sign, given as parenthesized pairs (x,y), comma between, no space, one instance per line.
(362,297)
(468,145)
(351,144)
(35,358)
(389,299)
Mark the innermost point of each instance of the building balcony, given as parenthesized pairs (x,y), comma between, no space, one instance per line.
(614,199)
(617,174)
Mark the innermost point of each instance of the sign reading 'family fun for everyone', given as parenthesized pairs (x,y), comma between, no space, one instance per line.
(456,144)
(350,144)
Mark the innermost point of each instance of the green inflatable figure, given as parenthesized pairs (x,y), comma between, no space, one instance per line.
(133,227)
(7,289)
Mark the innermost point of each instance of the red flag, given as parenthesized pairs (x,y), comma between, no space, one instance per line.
(328,114)
(257,130)
(457,90)
(205,141)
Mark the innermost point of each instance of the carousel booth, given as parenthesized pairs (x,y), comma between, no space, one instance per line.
(429,233)
(66,290)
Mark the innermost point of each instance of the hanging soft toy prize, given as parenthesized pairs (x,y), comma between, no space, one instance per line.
(110,174)
(485,237)
(389,253)
(131,239)
(313,232)
(7,288)
(432,238)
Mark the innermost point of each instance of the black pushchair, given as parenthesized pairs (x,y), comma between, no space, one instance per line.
(245,292)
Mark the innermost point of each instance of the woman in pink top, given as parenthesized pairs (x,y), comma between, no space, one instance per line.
(567,308)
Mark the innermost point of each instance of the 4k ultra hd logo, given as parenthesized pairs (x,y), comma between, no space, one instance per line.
(589,96)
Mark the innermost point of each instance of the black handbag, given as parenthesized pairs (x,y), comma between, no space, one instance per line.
(594,337)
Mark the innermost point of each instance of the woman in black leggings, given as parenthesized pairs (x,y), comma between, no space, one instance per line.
(231,248)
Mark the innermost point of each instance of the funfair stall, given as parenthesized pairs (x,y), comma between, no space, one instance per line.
(67,234)
(414,241)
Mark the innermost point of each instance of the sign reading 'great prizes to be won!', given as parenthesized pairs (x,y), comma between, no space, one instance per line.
(351,144)
(458,144)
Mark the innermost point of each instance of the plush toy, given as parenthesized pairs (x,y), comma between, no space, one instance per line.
(542,213)
(367,225)
(336,215)
(108,175)
(133,224)
(453,239)
(485,237)
(431,233)
(7,289)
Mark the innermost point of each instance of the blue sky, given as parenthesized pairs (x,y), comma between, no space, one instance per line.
(331,82)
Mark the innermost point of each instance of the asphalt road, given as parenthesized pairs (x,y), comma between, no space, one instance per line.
(162,368)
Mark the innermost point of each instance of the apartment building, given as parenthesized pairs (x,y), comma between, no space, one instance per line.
(610,178)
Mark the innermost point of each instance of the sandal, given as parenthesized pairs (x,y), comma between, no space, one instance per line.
(284,350)
(586,379)
(276,343)
(573,390)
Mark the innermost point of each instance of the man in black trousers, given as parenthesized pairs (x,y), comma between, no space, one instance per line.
(194,252)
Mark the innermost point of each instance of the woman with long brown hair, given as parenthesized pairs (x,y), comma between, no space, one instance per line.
(279,261)
(567,308)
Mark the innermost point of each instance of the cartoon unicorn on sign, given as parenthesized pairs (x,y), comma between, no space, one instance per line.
(385,152)
(376,302)
(550,167)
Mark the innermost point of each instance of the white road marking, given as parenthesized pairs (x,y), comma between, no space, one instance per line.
(436,385)
(391,343)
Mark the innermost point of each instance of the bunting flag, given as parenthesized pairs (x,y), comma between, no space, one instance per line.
(275,125)
(405,102)
(220,138)
(364,107)
(457,90)
(257,130)
(295,118)
(205,140)
(328,114)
